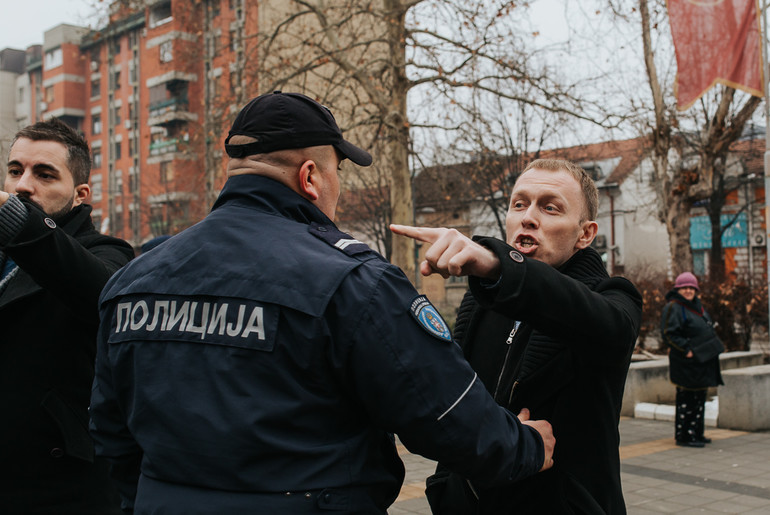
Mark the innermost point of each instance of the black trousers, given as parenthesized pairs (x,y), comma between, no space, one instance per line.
(690,405)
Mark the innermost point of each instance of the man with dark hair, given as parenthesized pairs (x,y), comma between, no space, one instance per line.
(53,265)
(546,329)
(260,361)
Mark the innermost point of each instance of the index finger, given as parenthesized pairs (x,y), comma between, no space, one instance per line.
(424,234)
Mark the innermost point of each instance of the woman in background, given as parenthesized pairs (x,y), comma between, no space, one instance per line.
(693,357)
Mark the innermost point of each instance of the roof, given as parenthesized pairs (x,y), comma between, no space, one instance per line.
(630,153)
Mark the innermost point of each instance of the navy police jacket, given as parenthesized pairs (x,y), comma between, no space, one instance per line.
(260,362)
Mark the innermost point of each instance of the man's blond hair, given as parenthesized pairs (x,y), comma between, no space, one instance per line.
(587,184)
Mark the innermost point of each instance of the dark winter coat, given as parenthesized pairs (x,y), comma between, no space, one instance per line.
(686,326)
(567,362)
(49,318)
(256,362)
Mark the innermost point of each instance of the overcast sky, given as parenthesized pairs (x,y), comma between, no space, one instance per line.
(24,21)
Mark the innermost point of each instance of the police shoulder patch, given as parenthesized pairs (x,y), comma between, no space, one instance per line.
(428,318)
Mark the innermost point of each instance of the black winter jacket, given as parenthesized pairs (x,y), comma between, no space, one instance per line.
(256,362)
(567,362)
(682,324)
(49,318)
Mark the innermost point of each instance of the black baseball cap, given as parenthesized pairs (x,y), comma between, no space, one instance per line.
(280,121)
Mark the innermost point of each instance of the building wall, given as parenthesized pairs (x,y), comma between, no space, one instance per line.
(154,93)
(644,238)
(11,67)
(64,70)
(8,85)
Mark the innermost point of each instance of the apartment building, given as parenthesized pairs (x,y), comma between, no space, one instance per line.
(153,92)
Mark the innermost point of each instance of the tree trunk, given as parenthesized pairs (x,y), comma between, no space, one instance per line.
(716,256)
(678,225)
(397,146)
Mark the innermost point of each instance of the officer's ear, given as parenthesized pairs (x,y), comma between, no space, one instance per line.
(309,184)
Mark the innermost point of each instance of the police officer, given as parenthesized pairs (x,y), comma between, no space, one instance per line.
(261,361)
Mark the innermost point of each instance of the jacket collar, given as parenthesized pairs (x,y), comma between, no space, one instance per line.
(271,196)
(76,220)
(695,305)
(586,266)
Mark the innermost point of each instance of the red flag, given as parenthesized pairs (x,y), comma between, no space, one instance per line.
(716,41)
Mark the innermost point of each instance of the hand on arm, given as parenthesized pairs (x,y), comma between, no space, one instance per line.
(3,197)
(451,253)
(546,433)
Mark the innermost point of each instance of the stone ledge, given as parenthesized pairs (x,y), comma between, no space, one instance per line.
(744,399)
(647,381)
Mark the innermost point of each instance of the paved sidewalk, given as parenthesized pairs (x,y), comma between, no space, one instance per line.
(730,475)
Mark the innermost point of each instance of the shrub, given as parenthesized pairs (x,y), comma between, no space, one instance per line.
(737,308)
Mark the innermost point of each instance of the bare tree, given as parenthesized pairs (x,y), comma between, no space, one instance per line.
(363,58)
(701,139)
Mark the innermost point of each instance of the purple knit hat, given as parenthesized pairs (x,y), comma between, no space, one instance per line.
(686,279)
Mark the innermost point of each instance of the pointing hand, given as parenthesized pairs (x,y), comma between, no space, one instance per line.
(451,253)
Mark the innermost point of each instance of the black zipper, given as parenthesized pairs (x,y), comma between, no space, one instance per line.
(508,342)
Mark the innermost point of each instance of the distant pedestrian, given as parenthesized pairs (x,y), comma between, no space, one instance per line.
(693,357)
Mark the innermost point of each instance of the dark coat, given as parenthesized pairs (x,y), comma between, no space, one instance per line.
(566,362)
(49,318)
(682,324)
(257,362)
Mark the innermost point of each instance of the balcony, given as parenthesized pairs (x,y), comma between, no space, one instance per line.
(170,149)
(167,146)
(170,111)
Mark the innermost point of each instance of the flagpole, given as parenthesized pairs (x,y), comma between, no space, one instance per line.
(765,70)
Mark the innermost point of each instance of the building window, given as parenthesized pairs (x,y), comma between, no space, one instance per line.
(215,44)
(118,182)
(160,14)
(96,158)
(116,79)
(53,58)
(166,172)
(131,150)
(167,51)
(96,88)
(118,150)
(49,94)
(96,124)
(116,114)
(214,86)
(235,83)
(234,40)
(97,220)
(133,182)
(116,46)
(96,187)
